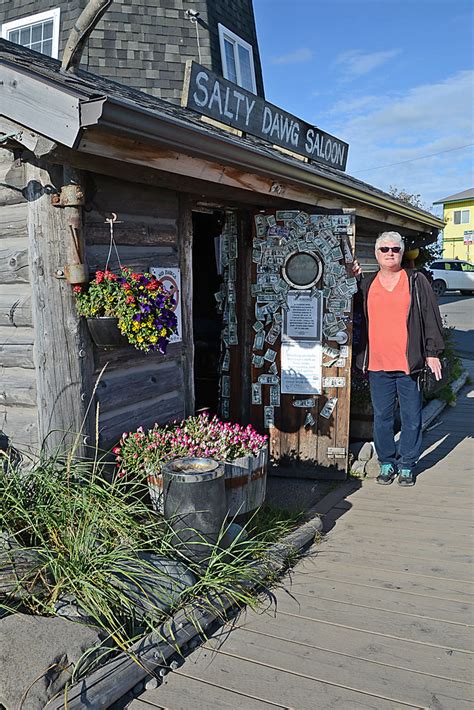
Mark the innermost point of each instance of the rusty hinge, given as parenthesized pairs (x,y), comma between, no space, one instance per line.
(69,196)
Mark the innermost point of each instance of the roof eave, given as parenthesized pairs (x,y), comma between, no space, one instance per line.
(133,122)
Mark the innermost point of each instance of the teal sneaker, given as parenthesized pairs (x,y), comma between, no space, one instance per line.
(406,477)
(387,474)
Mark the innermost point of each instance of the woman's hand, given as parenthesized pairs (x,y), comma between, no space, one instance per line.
(356,268)
(434,364)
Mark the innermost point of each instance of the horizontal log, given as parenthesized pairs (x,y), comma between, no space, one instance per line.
(161,410)
(130,200)
(13,221)
(15,305)
(12,180)
(128,356)
(18,387)
(16,347)
(14,261)
(129,385)
(137,258)
(162,233)
(20,424)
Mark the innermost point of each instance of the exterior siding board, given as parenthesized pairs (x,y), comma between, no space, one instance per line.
(146,46)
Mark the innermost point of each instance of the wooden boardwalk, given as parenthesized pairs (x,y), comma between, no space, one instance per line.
(379,614)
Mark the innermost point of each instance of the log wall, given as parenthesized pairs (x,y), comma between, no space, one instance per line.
(18,408)
(136,389)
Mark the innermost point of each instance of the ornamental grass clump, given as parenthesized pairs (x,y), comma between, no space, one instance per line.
(140,302)
(91,536)
(200,436)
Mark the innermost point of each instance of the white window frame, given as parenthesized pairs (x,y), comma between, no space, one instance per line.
(461,221)
(53,14)
(225,33)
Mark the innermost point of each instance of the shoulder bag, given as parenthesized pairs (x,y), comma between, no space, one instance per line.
(427,381)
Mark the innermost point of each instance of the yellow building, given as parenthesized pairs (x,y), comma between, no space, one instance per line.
(458,234)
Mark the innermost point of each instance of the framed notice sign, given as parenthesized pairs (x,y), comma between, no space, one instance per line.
(301,367)
(304,317)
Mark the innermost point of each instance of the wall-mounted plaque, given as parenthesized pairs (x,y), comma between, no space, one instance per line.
(304,318)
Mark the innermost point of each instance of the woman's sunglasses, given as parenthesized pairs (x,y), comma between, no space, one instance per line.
(385,250)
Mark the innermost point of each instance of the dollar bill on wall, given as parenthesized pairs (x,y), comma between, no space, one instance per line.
(268,417)
(256,393)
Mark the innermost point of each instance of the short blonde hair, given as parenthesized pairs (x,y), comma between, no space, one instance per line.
(390,237)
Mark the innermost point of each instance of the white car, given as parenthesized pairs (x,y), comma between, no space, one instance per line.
(452,275)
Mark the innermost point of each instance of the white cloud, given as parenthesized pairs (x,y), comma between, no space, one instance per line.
(391,128)
(297,57)
(355,63)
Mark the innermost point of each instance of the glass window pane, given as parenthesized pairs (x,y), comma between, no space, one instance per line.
(36,33)
(48,47)
(36,46)
(230,59)
(48,29)
(246,79)
(465,216)
(25,36)
(14,36)
(457,217)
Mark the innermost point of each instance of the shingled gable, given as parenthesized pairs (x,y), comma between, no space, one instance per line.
(80,111)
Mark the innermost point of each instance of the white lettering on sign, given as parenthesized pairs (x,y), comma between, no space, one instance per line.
(215,97)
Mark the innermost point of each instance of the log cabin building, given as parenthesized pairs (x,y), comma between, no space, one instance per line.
(250,206)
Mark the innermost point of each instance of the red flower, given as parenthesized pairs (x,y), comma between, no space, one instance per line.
(77,289)
(130,299)
(116,450)
(110,276)
(99,277)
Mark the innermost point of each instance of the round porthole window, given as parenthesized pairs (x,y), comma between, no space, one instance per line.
(302,269)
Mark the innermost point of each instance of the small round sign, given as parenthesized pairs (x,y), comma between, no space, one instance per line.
(302,269)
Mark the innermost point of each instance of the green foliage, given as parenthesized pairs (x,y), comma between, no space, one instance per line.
(410,198)
(455,369)
(88,533)
(141,451)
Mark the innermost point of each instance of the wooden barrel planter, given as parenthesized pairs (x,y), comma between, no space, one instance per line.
(154,480)
(245,484)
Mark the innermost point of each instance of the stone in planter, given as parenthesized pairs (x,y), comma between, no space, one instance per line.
(37,657)
(372,467)
(358,467)
(155,586)
(366,451)
(21,570)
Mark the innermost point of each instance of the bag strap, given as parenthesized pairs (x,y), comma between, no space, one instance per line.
(422,323)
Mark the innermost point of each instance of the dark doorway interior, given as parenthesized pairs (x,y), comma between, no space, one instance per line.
(207,322)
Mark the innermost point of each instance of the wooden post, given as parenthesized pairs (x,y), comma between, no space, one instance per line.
(185,248)
(63,352)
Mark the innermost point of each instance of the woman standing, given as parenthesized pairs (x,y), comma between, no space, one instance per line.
(401,330)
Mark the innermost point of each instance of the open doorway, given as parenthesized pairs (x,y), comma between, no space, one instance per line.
(207,322)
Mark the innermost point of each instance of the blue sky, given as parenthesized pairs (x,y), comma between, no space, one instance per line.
(393,78)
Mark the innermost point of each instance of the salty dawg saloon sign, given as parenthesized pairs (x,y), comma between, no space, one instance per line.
(217,98)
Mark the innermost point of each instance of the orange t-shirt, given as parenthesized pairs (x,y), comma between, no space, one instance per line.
(388,332)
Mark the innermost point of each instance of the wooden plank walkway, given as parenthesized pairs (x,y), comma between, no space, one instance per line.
(378,615)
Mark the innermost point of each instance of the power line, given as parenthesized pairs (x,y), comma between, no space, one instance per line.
(412,160)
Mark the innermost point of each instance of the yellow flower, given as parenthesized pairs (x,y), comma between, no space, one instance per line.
(135,325)
(140,339)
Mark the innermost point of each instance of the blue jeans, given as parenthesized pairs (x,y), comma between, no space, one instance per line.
(385,387)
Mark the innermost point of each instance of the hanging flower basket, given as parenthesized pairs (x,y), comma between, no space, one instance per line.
(105,332)
(139,305)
